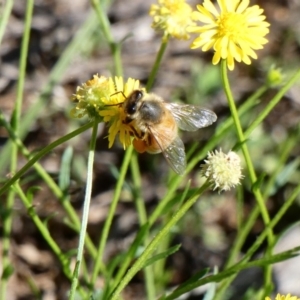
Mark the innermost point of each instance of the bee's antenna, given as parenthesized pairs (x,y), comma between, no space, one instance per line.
(117,104)
(118,93)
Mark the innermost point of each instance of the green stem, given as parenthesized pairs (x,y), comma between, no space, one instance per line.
(142,214)
(221,131)
(273,102)
(138,265)
(244,147)
(160,53)
(105,26)
(111,213)
(86,208)
(287,146)
(64,260)
(74,48)
(40,154)
(252,175)
(74,220)
(15,121)
(254,214)
(5,17)
(243,264)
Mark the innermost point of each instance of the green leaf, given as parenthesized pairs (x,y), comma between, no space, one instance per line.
(258,183)
(30,192)
(7,272)
(65,169)
(193,279)
(161,255)
(192,284)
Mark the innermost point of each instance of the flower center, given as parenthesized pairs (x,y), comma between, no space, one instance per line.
(232,25)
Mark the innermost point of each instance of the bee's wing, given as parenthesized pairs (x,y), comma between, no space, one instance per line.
(191,117)
(174,153)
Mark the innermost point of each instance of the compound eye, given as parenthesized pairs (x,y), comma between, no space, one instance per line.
(133,102)
(131,108)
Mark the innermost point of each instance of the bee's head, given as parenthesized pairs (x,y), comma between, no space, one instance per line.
(133,103)
(143,107)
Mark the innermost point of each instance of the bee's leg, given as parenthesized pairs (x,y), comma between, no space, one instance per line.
(138,135)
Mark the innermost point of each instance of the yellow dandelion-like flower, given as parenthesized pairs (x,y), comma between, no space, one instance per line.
(113,112)
(172,17)
(223,171)
(234,30)
(282,297)
(102,98)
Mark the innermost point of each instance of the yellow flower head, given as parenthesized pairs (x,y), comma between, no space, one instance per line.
(90,95)
(223,171)
(172,17)
(102,98)
(282,297)
(113,112)
(233,31)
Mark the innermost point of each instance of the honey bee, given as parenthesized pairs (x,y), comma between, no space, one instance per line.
(155,124)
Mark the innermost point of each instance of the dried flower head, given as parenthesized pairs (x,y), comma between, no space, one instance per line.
(282,297)
(102,97)
(222,170)
(233,30)
(172,17)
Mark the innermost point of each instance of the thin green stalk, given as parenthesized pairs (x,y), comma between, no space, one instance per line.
(4,17)
(15,121)
(105,26)
(221,131)
(288,145)
(252,175)
(244,147)
(142,214)
(160,53)
(75,47)
(40,154)
(139,201)
(51,184)
(287,148)
(283,209)
(235,250)
(264,234)
(213,278)
(244,262)
(86,208)
(110,215)
(138,265)
(245,229)
(265,112)
(64,260)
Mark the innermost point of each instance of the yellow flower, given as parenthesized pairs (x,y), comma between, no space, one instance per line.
(172,17)
(233,31)
(113,112)
(89,97)
(282,297)
(223,171)
(102,98)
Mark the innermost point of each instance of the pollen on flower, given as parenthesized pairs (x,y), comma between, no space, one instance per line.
(89,97)
(233,31)
(282,297)
(102,98)
(172,17)
(223,171)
